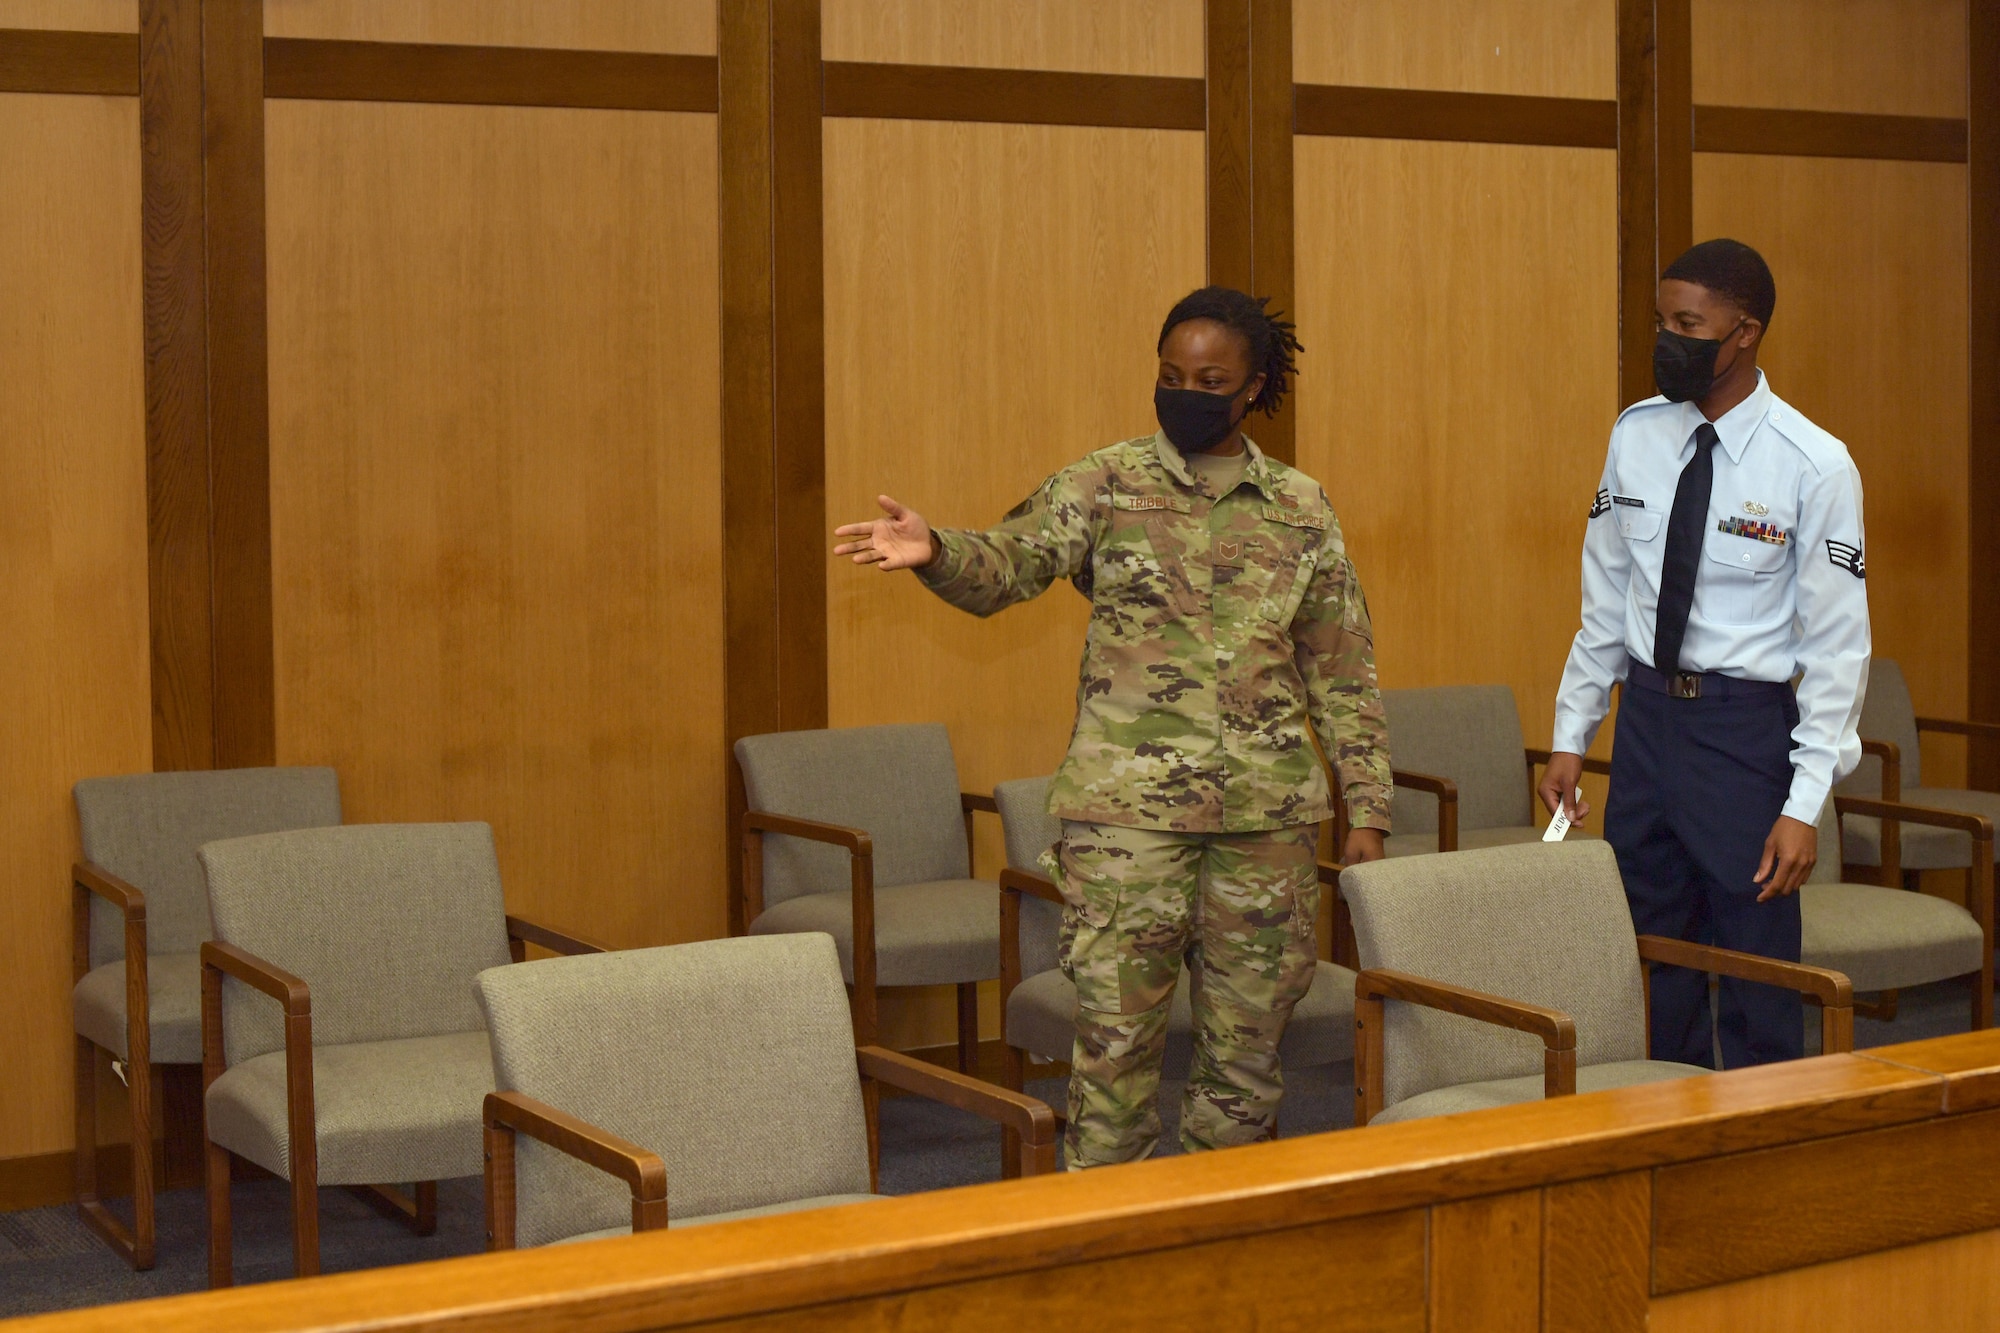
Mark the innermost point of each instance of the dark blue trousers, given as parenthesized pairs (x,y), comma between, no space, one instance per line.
(1696,785)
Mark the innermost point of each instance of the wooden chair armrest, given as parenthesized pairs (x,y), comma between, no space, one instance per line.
(126,897)
(253,971)
(1831,989)
(1028,882)
(969,801)
(1374,985)
(1591,764)
(1446,792)
(1027,1117)
(1979,826)
(1960,727)
(1891,756)
(509,1113)
(1329,874)
(1556,1029)
(1822,984)
(854,840)
(520,930)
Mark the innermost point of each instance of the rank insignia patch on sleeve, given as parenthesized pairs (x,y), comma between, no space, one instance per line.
(1847,557)
(1601,505)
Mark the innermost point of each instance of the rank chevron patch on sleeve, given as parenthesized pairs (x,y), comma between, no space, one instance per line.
(1602,504)
(1847,557)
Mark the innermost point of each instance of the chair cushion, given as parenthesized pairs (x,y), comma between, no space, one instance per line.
(1470,734)
(385,1112)
(173,1007)
(1925,846)
(735,1215)
(1885,939)
(931,934)
(1415,844)
(1041,1020)
(1508,1091)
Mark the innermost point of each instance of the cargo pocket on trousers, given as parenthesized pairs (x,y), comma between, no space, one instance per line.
(1086,953)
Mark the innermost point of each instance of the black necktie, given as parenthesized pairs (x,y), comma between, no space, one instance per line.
(1685,529)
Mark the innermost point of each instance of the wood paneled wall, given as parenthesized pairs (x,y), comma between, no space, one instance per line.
(73,672)
(495,474)
(575,350)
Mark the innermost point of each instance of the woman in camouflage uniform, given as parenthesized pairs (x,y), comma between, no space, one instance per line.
(1226,620)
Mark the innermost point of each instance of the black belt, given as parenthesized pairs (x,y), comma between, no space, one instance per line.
(1698,684)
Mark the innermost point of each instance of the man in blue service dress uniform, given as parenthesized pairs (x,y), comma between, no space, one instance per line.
(1723,559)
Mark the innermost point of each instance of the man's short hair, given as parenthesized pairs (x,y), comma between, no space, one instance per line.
(1733,271)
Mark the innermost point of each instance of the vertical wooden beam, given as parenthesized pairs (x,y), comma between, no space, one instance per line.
(1250,165)
(239,422)
(1597,1247)
(1655,172)
(773,378)
(173,250)
(1983,433)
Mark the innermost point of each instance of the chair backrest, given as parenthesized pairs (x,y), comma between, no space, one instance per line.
(1031,830)
(1887,714)
(387,923)
(732,1059)
(146,827)
(1827,869)
(1470,734)
(1544,923)
(899,783)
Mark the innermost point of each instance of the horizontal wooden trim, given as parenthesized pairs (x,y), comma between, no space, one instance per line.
(1782,133)
(1729,1218)
(1013,96)
(297,67)
(1423,113)
(39,61)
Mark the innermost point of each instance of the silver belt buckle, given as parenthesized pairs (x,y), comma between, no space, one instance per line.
(1684,685)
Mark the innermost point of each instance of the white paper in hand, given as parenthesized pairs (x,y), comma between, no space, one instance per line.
(1559,825)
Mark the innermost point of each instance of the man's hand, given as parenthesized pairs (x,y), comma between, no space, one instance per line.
(1558,786)
(900,541)
(1790,854)
(1363,844)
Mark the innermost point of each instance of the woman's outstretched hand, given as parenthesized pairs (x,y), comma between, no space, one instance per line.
(900,541)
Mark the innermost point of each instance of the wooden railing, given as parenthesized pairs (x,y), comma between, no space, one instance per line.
(1848,1191)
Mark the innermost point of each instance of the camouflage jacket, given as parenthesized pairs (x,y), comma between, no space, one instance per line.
(1219,627)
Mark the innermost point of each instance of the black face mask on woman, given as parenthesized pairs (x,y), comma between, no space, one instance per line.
(1194,421)
(1684,367)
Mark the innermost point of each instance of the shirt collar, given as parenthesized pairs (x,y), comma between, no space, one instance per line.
(1737,425)
(1257,471)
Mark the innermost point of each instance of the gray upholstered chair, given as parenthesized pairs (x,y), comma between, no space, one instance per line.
(341,1043)
(140,916)
(864,834)
(1463,777)
(1038,1003)
(725,1071)
(1502,975)
(1886,938)
(1893,769)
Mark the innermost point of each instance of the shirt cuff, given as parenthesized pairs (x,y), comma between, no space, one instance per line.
(1573,733)
(949,564)
(1808,798)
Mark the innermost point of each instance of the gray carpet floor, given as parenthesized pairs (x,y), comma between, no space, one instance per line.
(48,1261)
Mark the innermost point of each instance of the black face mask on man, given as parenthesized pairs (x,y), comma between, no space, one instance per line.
(1195,422)
(1684,367)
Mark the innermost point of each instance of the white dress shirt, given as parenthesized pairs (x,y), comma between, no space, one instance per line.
(1780,591)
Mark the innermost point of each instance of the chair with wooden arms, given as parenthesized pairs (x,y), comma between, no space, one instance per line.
(1038,1003)
(1886,938)
(863,833)
(1894,772)
(140,915)
(1499,976)
(690,1084)
(341,1043)
(1463,778)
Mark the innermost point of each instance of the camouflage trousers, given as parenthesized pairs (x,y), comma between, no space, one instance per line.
(1240,908)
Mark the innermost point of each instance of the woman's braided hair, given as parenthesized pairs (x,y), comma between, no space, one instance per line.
(1270,340)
